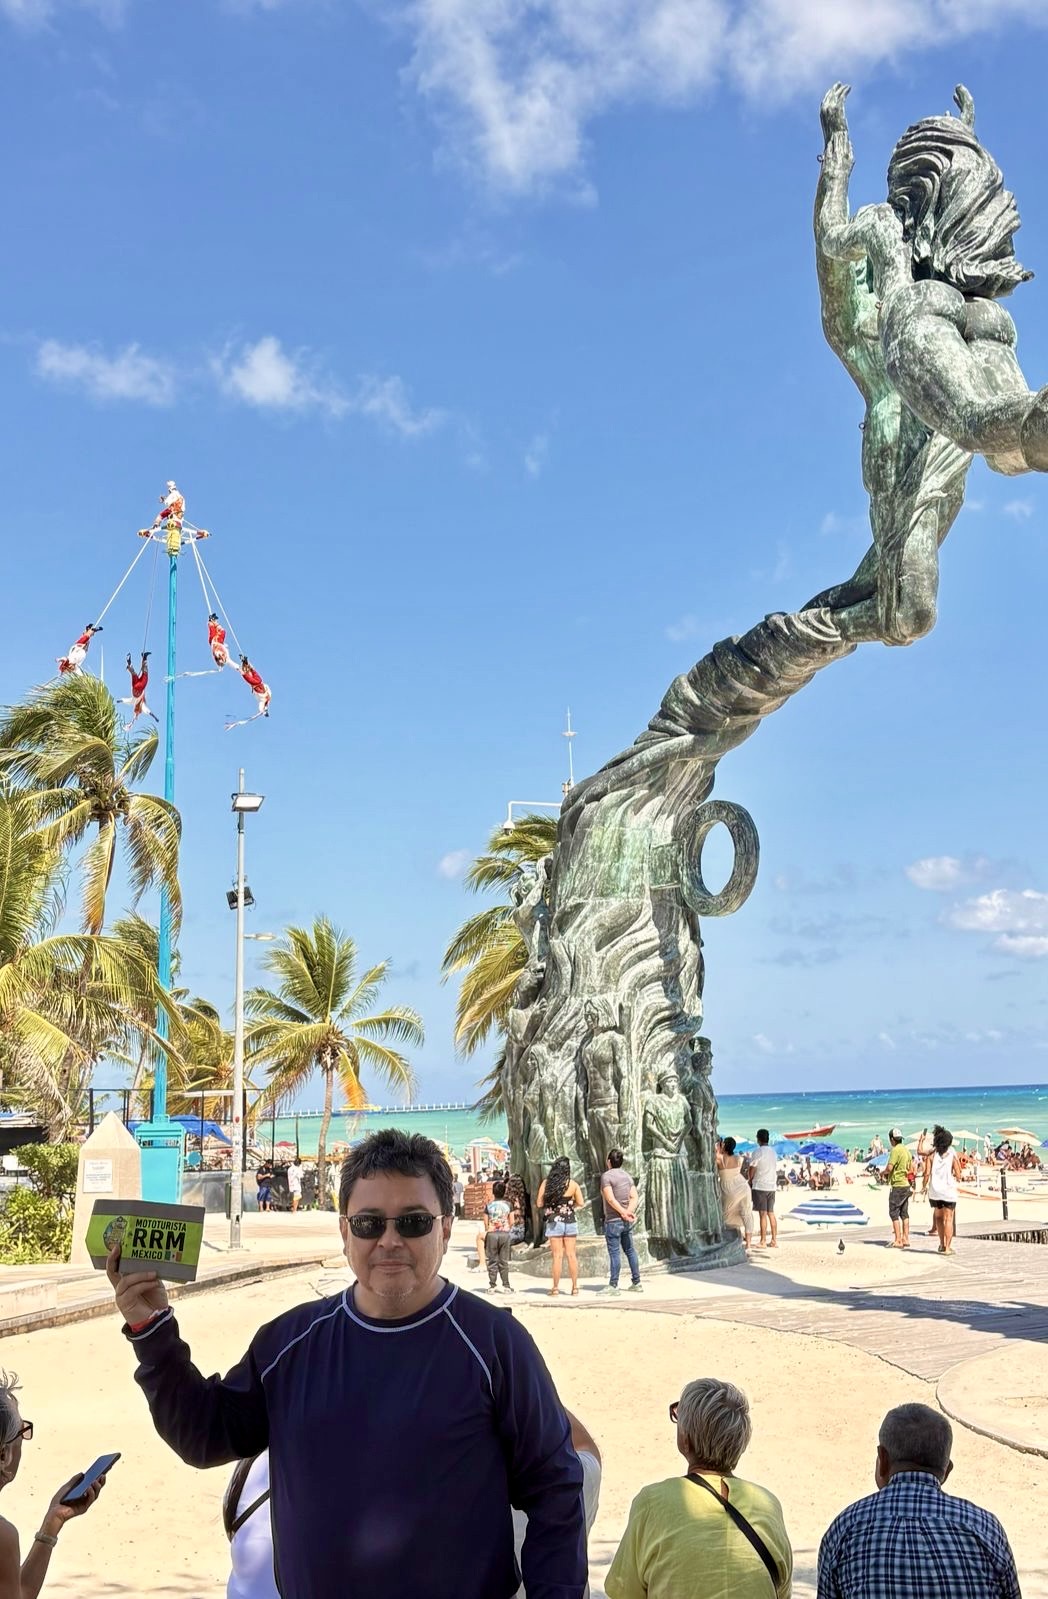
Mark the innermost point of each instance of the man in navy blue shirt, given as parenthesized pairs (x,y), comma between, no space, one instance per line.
(450,1417)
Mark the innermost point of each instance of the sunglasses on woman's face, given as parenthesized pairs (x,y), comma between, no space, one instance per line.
(416,1224)
(25,1432)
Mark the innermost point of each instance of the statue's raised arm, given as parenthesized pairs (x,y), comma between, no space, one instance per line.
(948,346)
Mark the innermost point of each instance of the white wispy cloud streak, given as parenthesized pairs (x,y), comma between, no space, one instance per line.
(263,375)
(453,864)
(127,375)
(270,378)
(515,84)
(1017,917)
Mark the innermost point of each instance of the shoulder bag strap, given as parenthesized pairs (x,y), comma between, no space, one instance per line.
(246,1514)
(749,1533)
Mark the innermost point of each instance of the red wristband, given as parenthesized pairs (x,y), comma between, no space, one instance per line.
(138,1326)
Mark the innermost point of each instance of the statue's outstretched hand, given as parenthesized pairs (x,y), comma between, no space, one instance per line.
(835,125)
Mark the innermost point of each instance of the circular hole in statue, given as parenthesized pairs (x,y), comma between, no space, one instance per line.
(718,858)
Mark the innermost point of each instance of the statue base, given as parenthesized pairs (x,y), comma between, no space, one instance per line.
(592,1255)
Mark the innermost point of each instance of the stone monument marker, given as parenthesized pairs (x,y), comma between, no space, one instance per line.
(110,1167)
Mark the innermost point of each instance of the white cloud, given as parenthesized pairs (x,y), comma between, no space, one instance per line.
(684,627)
(454,863)
(1018,917)
(1018,510)
(767,1046)
(833,523)
(887,1040)
(387,401)
(1023,945)
(515,84)
(536,453)
(266,376)
(939,873)
(128,375)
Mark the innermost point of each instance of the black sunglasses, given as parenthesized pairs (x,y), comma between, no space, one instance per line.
(416,1224)
(25,1431)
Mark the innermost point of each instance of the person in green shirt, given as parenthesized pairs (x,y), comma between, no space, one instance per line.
(898,1169)
(681,1540)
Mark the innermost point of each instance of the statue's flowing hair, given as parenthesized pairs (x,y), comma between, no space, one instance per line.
(957,216)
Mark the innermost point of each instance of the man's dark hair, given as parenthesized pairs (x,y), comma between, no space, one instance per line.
(615,1157)
(762,1135)
(402,1154)
(498,1190)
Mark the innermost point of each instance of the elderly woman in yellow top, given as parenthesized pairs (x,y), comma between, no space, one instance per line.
(709,1534)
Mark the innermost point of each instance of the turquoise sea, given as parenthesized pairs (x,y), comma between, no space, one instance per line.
(857,1116)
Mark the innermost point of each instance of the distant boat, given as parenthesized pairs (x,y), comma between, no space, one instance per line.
(813,1132)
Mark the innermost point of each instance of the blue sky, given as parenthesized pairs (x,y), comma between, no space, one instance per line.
(484,336)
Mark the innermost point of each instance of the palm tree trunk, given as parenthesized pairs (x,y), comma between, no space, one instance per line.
(136,1081)
(327,1066)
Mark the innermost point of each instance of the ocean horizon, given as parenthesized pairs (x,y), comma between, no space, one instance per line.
(856,1115)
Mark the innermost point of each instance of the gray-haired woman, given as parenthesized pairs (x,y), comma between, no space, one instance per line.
(23,1579)
(709,1533)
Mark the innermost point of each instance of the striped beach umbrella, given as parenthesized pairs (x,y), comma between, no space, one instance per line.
(830,1213)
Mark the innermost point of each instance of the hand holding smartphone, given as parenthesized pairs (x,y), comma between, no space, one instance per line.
(89,1478)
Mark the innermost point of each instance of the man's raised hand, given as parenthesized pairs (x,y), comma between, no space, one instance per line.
(139,1294)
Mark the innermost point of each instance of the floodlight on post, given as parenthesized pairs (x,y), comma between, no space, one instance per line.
(244,804)
(528,805)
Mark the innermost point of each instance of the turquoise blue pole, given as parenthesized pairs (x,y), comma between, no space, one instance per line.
(164,955)
(161,1140)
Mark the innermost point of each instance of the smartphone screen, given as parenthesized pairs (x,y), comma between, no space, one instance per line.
(90,1477)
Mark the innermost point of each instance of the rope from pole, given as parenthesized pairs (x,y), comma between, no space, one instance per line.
(218,600)
(120,585)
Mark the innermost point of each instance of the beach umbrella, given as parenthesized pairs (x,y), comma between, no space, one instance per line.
(1018,1132)
(878,1162)
(782,1148)
(966,1132)
(746,1147)
(828,1154)
(830,1213)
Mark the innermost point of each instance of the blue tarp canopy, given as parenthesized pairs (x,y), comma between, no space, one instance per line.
(193,1124)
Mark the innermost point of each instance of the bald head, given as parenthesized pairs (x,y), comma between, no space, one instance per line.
(914,1438)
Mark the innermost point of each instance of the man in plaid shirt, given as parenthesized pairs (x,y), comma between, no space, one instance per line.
(910,1538)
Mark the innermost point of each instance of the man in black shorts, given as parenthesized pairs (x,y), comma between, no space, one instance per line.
(897,1172)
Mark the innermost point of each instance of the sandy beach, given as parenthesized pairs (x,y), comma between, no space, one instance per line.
(816,1405)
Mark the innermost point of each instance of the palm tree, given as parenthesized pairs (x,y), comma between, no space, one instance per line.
(321,1017)
(489,949)
(67,747)
(63,998)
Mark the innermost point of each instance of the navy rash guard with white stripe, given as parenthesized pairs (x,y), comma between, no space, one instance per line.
(396,1448)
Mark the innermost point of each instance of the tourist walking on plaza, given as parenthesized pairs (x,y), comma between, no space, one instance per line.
(619,1194)
(458,1194)
(264,1183)
(460,1396)
(707,1534)
(557,1198)
(910,1540)
(944,1171)
(764,1177)
(897,1171)
(735,1191)
(498,1236)
(294,1183)
(23,1579)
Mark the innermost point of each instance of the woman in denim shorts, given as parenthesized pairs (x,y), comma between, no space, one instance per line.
(557,1198)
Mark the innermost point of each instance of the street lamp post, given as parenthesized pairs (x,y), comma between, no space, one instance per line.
(243,804)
